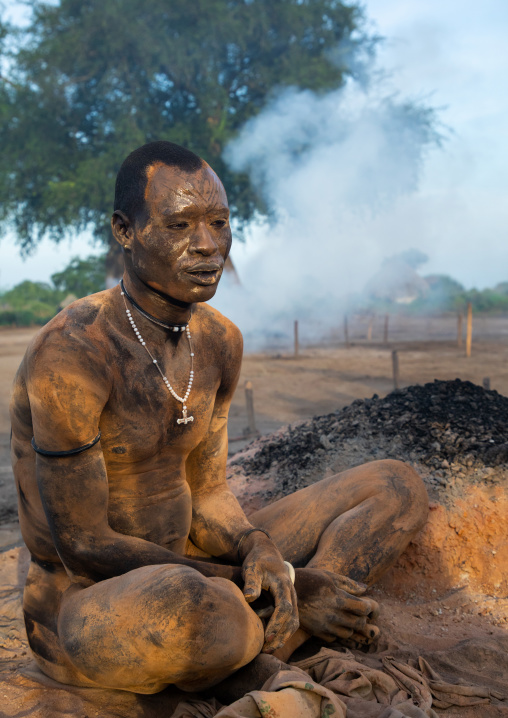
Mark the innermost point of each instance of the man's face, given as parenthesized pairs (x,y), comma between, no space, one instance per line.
(179,247)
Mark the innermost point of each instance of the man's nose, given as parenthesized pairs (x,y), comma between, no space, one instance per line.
(202,241)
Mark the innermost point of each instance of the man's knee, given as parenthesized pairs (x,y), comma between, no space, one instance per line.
(217,622)
(405,490)
(225,632)
(186,627)
(214,618)
(238,632)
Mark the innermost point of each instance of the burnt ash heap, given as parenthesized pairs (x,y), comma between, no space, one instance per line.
(447,429)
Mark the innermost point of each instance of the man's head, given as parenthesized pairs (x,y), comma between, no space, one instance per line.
(132,176)
(172,219)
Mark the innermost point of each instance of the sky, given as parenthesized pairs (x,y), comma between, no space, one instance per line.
(453,55)
(454,52)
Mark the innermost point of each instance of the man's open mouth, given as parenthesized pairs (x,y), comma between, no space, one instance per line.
(205,273)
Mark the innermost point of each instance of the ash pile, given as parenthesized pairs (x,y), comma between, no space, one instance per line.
(453,432)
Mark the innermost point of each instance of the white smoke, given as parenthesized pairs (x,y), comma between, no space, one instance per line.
(332,169)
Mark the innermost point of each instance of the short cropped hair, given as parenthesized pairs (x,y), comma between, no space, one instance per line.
(132,179)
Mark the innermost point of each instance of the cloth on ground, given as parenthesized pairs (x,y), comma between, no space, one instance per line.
(287,694)
(336,683)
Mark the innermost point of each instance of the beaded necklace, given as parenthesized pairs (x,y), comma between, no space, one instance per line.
(182,399)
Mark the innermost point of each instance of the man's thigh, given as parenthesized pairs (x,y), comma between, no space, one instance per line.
(390,492)
(158,625)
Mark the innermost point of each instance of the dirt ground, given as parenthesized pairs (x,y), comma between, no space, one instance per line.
(437,618)
(325,376)
(328,375)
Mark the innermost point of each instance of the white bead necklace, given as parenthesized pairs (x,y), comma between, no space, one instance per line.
(182,399)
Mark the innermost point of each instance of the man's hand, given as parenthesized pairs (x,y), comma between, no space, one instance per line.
(263,568)
(330,606)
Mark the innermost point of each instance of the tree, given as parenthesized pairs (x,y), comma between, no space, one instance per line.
(445,294)
(37,302)
(29,303)
(90,81)
(81,276)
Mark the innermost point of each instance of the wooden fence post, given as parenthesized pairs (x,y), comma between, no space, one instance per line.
(297,344)
(346,331)
(459,329)
(251,419)
(385,333)
(369,329)
(395,366)
(486,382)
(469,329)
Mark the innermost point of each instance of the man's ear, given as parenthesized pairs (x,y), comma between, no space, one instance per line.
(122,229)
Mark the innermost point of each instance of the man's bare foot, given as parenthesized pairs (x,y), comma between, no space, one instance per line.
(296,640)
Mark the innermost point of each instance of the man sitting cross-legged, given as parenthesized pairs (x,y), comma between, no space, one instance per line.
(143,564)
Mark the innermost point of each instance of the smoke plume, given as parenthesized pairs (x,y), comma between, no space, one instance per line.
(331,168)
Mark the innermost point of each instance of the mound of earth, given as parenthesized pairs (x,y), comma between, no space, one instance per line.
(454,434)
(451,431)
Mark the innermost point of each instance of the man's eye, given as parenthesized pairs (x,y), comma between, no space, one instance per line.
(219,223)
(179,225)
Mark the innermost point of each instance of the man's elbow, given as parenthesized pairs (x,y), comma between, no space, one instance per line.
(87,558)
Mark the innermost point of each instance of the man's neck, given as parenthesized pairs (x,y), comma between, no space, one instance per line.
(160,306)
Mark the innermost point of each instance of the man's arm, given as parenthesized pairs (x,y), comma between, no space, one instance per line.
(68,385)
(218,521)
(74,492)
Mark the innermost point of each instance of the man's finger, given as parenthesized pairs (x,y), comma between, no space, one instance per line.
(331,633)
(281,626)
(364,638)
(348,620)
(354,587)
(374,608)
(284,621)
(370,607)
(358,606)
(370,632)
(252,585)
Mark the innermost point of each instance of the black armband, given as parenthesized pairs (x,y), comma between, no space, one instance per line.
(70,452)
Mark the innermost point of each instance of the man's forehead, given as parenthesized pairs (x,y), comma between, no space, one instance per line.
(170,188)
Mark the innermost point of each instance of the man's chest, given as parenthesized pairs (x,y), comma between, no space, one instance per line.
(144,419)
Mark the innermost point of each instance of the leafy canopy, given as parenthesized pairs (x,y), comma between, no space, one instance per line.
(91,81)
(81,276)
(37,302)
(29,303)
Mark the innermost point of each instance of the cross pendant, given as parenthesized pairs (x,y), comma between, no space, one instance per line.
(185,419)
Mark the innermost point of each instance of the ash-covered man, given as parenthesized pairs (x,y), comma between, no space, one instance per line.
(144,566)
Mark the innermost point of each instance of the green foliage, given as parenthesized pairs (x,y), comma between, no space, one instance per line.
(94,80)
(486,300)
(31,293)
(447,295)
(501,288)
(81,276)
(38,302)
(443,294)
(29,303)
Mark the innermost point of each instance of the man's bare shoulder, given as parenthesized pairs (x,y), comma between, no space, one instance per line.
(79,330)
(65,378)
(225,340)
(210,319)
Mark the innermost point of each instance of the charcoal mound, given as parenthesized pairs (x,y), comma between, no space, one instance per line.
(449,430)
